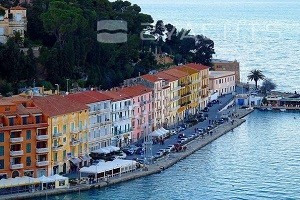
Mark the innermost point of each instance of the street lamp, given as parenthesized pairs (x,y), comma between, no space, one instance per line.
(57,85)
(68,85)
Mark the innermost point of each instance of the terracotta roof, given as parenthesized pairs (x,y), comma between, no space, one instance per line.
(58,105)
(151,78)
(89,97)
(4,102)
(135,90)
(188,70)
(166,76)
(21,110)
(116,95)
(17,8)
(197,66)
(176,72)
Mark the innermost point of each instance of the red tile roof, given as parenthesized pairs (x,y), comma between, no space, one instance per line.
(58,105)
(89,97)
(135,90)
(116,95)
(175,72)
(151,78)
(166,76)
(17,8)
(196,66)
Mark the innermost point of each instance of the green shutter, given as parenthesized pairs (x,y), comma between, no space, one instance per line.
(28,134)
(1,137)
(2,164)
(1,150)
(28,148)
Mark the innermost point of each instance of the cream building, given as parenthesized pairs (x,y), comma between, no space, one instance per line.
(222,82)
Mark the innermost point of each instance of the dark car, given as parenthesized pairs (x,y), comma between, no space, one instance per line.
(180,135)
(206,109)
(214,101)
(139,151)
(209,104)
(128,151)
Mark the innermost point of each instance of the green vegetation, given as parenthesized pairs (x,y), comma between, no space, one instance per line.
(268,85)
(66,32)
(256,75)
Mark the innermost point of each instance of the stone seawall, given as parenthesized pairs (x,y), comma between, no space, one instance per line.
(157,167)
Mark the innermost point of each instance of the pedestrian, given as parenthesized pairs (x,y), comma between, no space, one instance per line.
(195,130)
(208,121)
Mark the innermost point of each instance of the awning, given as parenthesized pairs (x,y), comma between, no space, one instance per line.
(44,179)
(85,158)
(75,160)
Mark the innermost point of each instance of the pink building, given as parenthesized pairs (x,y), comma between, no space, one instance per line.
(141,111)
(221,82)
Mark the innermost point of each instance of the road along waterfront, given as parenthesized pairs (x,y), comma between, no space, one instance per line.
(157,167)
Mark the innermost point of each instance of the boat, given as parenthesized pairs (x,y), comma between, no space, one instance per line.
(262,108)
(269,108)
(282,109)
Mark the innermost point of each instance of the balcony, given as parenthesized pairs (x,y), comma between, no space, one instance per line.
(42,137)
(16,153)
(42,163)
(16,140)
(42,150)
(57,135)
(74,142)
(175,98)
(57,148)
(16,166)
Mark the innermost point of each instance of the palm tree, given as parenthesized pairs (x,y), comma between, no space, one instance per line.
(256,75)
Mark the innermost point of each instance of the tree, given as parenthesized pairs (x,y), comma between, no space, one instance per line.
(256,75)
(61,19)
(268,85)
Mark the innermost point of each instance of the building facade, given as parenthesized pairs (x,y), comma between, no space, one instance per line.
(225,65)
(222,82)
(100,121)
(141,97)
(24,139)
(121,114)
(202,82)
(12,20)
(68,130)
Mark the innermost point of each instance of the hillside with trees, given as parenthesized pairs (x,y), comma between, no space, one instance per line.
(66,32)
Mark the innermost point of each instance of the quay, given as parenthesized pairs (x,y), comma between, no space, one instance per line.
(158,166)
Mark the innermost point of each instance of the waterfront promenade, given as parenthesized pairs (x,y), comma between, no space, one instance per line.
(158,166)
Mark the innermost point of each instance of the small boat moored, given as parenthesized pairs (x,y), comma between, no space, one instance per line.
(282,109)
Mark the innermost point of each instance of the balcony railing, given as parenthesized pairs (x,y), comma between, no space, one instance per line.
(57,148)
(16,153)
(16,166)
(16,140)
(42,163)
(42,150)
(175,98)
(42,137)
(57,135)
(74,142)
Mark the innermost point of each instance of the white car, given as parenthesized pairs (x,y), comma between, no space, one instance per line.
(170,148)
(173,132)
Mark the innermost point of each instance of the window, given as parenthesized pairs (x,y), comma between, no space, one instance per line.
(28,148)
(28,134)
(64,154)
(28,161)
(55,129)
(55,157)
(24,120)
(64,139)
(11,121)
(2,164)
(80,125)
(72,126)
(37,119)
(64,128)
(1,137)
(1,150)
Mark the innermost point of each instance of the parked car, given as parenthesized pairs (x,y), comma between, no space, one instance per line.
(214,101)
(209,104)
(206,109)
(128,151)
(210,127)
(173,132)
(180,135)
(158,154)
(170,148)
(139,151)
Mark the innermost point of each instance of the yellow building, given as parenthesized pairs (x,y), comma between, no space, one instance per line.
(203,83)
(68,127)
(183,93)
(12,20)
(192,88)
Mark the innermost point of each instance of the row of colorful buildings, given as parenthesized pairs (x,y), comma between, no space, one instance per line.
(46,135)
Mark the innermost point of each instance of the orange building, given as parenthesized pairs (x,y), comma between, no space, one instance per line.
(24,144)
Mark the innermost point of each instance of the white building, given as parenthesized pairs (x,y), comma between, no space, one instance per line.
(121,114)
(222,82)
(99,117)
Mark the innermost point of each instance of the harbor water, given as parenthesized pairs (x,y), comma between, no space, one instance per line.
(258,160)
